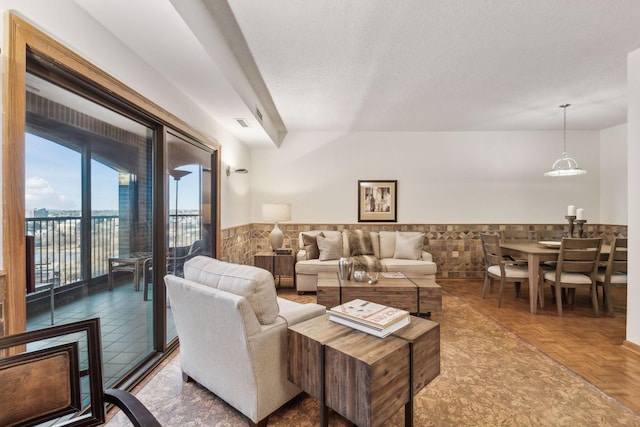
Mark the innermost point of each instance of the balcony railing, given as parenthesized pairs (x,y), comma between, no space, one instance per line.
(58,240)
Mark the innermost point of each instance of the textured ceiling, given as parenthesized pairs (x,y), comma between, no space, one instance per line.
(363,65)
(410,65)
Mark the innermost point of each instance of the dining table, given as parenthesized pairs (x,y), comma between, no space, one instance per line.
(537,253)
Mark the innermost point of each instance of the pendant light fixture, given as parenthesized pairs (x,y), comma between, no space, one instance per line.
(565,165)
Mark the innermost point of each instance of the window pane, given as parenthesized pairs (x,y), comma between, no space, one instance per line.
(89,209)
(189,212)
(53,198)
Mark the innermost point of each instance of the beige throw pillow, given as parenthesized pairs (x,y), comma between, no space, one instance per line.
(408,245)
(311,245)
(329,248)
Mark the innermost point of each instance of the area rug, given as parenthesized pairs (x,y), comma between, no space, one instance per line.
(489,377)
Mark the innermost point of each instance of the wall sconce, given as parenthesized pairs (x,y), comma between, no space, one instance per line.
(238,170)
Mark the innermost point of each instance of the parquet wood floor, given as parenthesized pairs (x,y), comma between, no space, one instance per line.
(589,346)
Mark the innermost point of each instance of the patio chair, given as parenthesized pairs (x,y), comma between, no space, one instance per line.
(179,255)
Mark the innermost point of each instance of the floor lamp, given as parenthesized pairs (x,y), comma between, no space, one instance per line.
(177,174)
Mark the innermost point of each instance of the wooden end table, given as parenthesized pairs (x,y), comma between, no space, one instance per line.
(363,378)
(277,264)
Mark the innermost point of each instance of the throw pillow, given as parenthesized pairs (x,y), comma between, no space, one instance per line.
(408,245)
(311,245)
(359,243)
(329,248)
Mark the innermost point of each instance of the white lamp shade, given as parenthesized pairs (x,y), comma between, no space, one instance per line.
(276,212)
(565,166)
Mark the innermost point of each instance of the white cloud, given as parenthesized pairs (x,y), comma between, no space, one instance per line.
(39,193)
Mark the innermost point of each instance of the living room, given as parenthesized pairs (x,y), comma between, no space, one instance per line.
(461,181)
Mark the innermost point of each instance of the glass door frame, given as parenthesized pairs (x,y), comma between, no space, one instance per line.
(23,38)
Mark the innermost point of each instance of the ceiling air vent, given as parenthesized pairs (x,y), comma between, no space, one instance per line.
(258,113)
(242,122)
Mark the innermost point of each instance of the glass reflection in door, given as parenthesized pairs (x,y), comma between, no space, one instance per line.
(189,230)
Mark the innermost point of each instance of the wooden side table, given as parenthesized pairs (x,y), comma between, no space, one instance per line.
(276,264)
(363,378)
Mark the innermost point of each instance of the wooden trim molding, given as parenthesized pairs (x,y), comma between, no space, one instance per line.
(631,347)
(21,36)
(13,214)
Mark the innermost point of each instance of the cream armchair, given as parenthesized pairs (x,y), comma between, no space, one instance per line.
(233,333)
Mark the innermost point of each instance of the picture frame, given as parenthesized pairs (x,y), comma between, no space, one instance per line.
(377,200)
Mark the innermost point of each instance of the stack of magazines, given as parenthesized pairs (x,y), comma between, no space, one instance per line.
(375,319)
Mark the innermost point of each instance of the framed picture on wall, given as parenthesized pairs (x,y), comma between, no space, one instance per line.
(377,201)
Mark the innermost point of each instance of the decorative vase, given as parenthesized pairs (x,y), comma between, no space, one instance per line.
(345,267)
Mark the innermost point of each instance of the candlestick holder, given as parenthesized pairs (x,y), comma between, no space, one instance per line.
(570,218)
(580,226)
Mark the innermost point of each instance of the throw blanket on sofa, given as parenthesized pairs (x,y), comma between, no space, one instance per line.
(359,243)
(366,263)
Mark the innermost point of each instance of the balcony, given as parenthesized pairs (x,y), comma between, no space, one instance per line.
(126,318)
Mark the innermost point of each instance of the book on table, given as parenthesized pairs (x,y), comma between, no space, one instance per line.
(369,315)
(380,333)
(393,275)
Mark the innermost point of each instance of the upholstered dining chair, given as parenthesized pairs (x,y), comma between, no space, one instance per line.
(515,236)
(576,268)
(614,275)
(497,268)
(554,235)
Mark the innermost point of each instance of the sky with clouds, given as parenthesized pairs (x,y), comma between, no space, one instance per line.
(53,180)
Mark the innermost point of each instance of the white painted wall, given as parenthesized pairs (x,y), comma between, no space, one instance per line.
(443,177)
(448,177)
(633,150)
(69,24)
(613,175)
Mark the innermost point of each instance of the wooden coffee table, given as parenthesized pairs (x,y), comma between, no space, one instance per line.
(361,377)
(414,293)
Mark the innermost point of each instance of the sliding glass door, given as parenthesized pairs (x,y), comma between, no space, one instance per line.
(108,189)
(189,230)
(89,206)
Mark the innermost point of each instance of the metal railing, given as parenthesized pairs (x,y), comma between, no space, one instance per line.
(58,240)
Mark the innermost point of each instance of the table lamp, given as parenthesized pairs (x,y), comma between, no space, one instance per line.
(276,212)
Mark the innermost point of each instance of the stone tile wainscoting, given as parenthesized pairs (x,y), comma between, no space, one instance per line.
(456,248)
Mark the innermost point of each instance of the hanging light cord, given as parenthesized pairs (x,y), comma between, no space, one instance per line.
(564,127)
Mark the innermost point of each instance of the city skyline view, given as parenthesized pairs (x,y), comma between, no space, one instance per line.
(53,181)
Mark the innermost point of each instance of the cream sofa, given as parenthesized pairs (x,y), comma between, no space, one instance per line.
(233,333)
(384,249)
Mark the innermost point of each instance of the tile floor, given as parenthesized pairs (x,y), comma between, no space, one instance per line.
(125,321)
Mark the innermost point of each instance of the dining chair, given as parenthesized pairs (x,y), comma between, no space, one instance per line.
(614,275)
(515,236)
(497,268)
(576,268)
(554,235)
